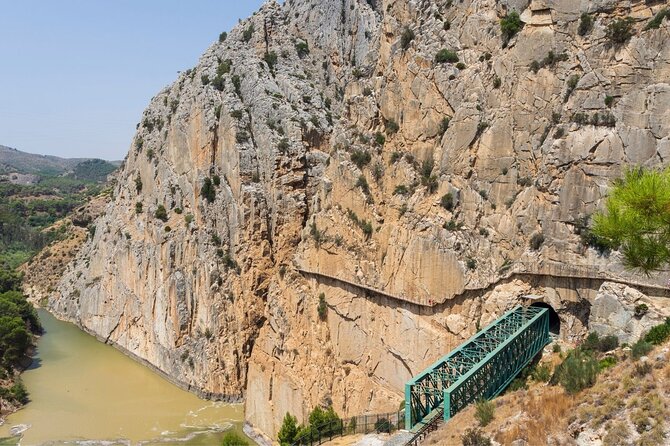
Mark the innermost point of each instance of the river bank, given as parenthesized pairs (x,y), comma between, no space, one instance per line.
(83,390)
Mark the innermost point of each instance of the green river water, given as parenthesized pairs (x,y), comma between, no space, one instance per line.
(85,392)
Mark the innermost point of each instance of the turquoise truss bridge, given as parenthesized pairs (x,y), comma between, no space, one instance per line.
(480,368)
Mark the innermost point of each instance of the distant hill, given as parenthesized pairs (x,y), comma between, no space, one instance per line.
(89,169)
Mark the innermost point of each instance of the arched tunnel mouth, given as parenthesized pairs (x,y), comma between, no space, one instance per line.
(554,320)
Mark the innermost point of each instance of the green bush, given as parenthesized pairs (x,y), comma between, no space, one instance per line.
(224,67)
(380,139)
(138,207)
(288,430)
(248,33)
(406,38)
(322,309)
(620,30)
(360,158)
(447,201)
(496,82)
(536,241)
(232,438)
(223,36)
(484,411)
(270,58)
(237,84)
(641,348)
(208,191)
(585,24)
(609,100)
(362,182)
(607,362)
(161,213)
(475,437)
(541,373)
(219,83)
(446,56)
(444,126)
(138,183)
(655,23)
(658,334)
(571,85)
(19,393)
(578,371)
(641,310)
(392,127)
(302,48)
(510,25)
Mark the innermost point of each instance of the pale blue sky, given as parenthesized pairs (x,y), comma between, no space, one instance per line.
(75,75)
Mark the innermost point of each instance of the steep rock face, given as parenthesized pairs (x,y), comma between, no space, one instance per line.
(311,140)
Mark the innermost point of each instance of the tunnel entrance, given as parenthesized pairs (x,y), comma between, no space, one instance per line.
(554,320)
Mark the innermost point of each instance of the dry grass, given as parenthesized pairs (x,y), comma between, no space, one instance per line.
(624,407)
(546,413)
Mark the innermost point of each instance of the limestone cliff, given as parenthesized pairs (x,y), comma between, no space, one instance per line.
(324,138)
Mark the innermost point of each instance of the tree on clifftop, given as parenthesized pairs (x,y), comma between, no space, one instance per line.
(636,219)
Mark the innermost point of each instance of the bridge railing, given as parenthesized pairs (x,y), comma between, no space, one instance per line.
(361,424)
(480,367)
(497,370)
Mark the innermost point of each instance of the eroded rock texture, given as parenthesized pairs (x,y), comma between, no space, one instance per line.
(311,139)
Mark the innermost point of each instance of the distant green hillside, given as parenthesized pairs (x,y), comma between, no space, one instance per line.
(56,187)
(12,160)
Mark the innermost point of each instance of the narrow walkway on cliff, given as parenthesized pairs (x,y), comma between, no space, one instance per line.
(509,271)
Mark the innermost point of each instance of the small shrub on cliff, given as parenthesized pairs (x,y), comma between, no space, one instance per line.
(484,411)
(219,83)
(444,126)
(446,56)
(620,30)
(585,24)
(361,158)
(510,25)
(302,48)
(447,201)
(655,23)
(248,33)
(571,85)
(579,371)
(380,139)
(640,348)
(641,310)
(288,430)
(138,183)
(161,213)
(223,36)
(658,334)
(392,127)
(536,241)
(406,38)
(207,191)
(138,207)
(270,58)
(363,184)
(475,437)
(322,309)
(496,82)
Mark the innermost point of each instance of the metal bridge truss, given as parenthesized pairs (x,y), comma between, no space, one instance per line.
(479,368)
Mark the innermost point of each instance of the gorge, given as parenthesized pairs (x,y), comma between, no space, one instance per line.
(343,190)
